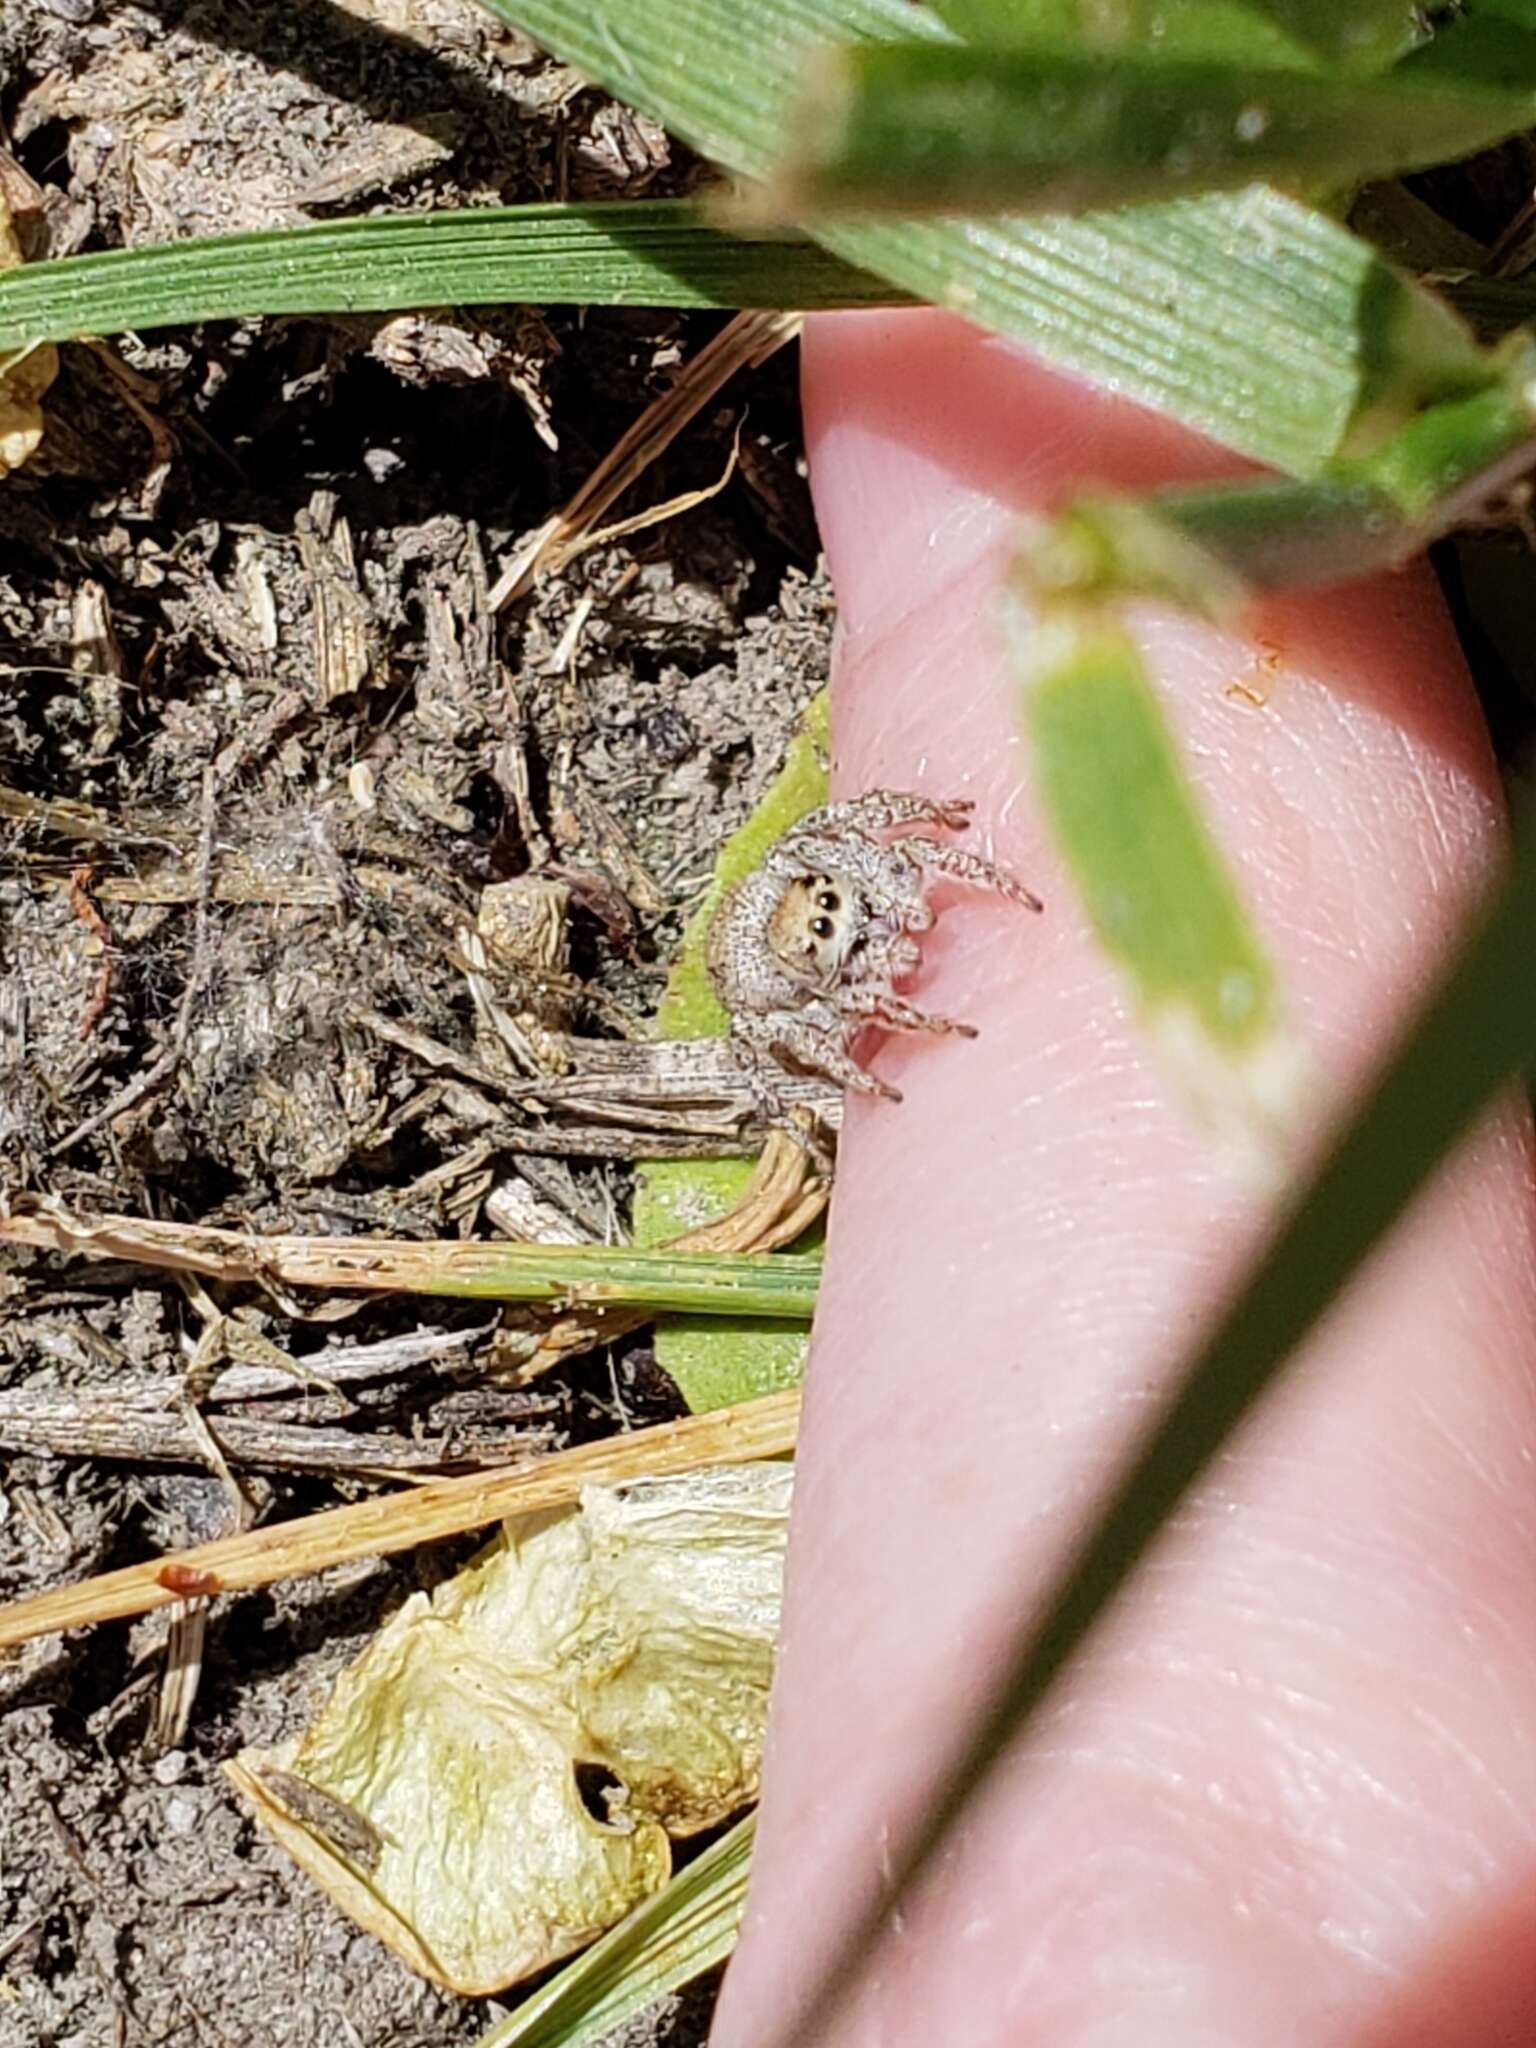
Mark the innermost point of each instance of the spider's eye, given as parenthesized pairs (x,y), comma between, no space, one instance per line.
(821,927)
(828,899)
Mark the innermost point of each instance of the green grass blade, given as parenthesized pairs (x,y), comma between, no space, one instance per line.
(1225,31)
(1150,876)
(1213,546)
(651,253)
(686,1929)
(1468,1040)
(1495,45)
(915,128)
(1153,881)
(1365,33)
(1259,321)
(780,1284)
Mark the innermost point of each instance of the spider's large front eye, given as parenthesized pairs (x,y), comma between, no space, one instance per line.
(821,927)
(828,899)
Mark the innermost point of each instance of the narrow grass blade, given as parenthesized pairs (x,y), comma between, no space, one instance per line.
(918,128)
(1154,883)
(685,1930)
(1253,318)
(1211,547)
(1468,1040)
(650,253)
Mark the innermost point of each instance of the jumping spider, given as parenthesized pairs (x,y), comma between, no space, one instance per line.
(805,951)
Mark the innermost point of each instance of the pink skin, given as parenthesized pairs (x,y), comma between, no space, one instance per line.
(1302,1759)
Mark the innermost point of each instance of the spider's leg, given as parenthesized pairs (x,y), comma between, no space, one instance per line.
(961,865)
(796,1120)
(823,1051)
(875,1005)
(877,809)
(890,955)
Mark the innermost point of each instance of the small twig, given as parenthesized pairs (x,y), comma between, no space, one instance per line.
(98,1425)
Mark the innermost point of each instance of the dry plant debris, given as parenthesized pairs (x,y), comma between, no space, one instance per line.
(496,1780)
(24,378)
(273,766)
(765,1428)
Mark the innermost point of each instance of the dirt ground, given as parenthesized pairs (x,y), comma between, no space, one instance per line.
(263,740)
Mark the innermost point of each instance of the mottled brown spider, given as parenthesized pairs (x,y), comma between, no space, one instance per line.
(805,952)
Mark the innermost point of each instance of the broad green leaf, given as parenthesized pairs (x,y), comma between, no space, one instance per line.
(717,1363)
(1259,321)
(644,253)
(1467,1041)
(674,1937)
(913,128)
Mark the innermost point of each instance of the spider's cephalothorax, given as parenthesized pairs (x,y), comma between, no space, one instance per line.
(805,952)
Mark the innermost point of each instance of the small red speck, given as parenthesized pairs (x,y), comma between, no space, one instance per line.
(187,1579)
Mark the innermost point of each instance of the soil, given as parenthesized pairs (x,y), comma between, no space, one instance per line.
(246,631)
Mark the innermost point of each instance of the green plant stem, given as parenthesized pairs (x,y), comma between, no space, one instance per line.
(776,1284)
(1212,546)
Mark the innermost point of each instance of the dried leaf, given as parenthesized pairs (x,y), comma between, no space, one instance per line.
(611,1660)
(23,377)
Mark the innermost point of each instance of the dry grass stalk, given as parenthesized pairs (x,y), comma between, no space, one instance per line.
(766,1428)
(783,1199)
(566,1275)
(745,342)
